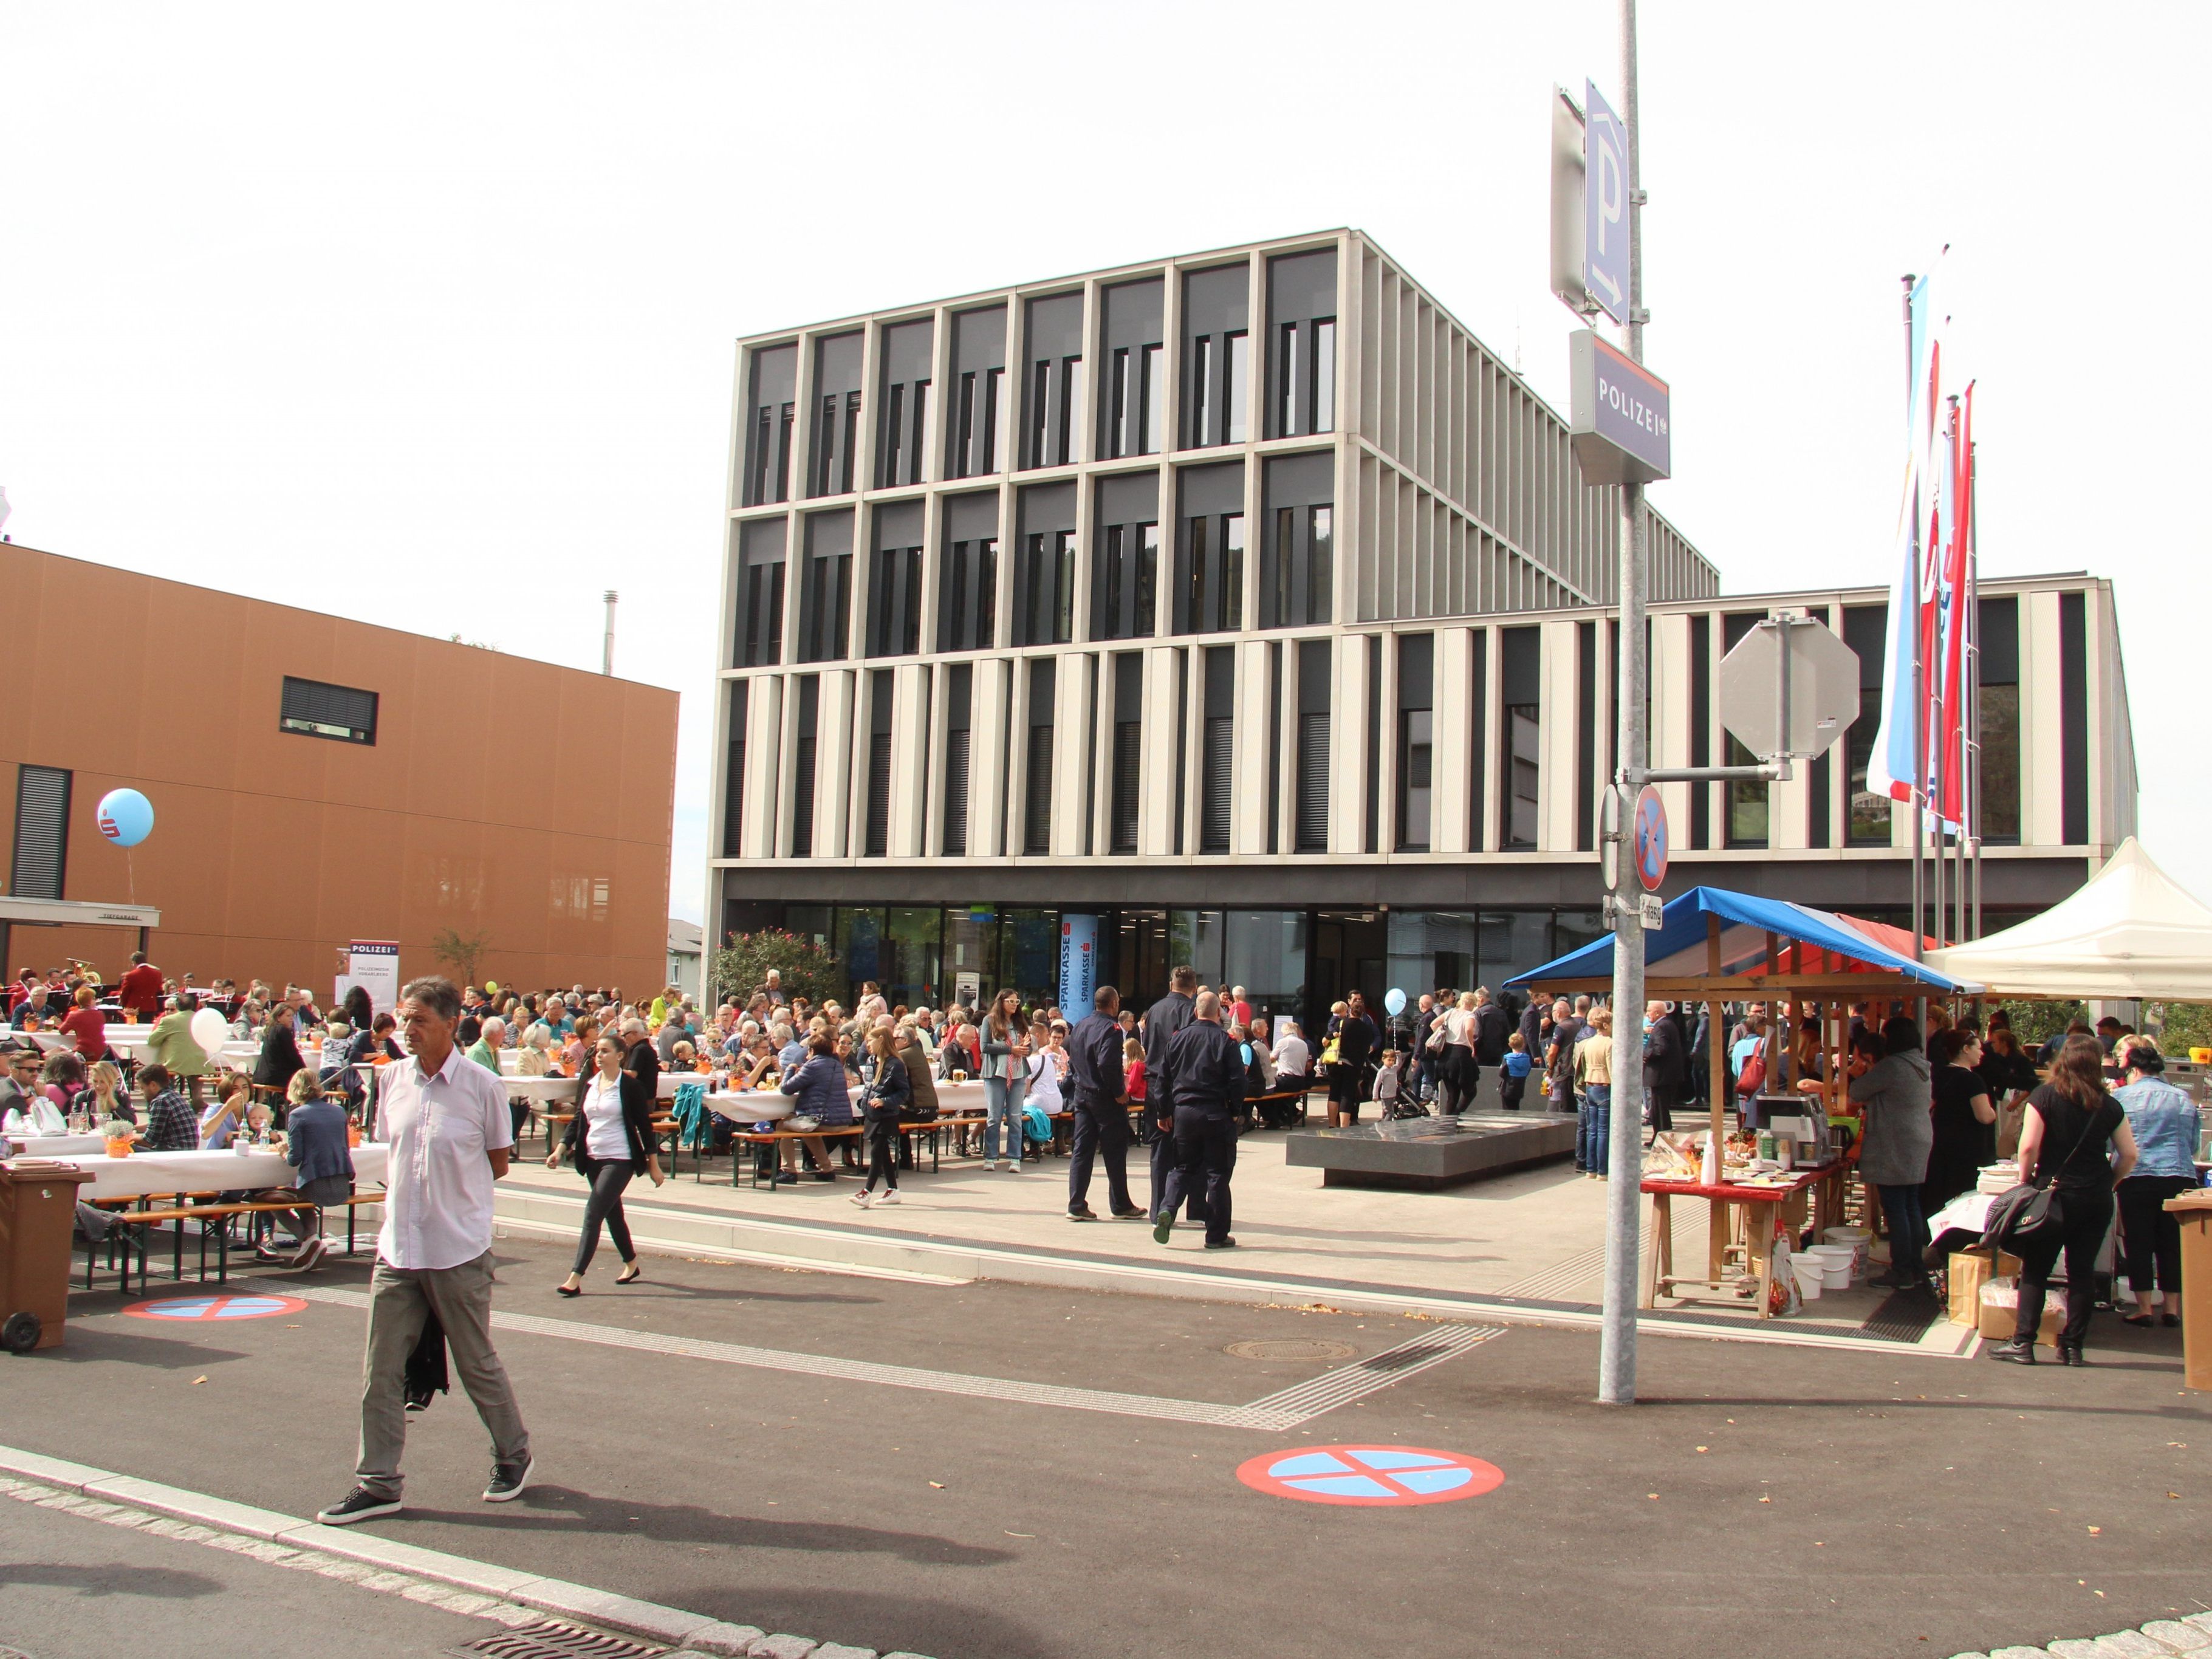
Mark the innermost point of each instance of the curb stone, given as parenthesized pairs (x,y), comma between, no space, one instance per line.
(481,1590)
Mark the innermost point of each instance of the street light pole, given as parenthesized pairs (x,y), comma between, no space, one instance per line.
(1624,1147)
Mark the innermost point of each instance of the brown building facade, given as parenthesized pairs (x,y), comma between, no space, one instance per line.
(316,780)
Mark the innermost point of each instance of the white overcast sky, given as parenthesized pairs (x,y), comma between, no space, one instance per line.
(423,314)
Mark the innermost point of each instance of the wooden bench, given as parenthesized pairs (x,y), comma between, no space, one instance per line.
(771,1139)
(177,1208)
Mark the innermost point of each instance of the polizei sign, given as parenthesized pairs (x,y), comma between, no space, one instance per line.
(1620,421)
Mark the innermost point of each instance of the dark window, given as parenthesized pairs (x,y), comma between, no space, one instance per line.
(1749,801)
(1478,725)
(1209,590)
(967,586)
(802,771)
(2074,718)
(1371,841)
(42,808)
(1044,567)
(1217,351)
(1217,779)
(1585,737)
(1997,635)
(316,710)
(1044,586)
(1274,746)
(1125,575)
(1129,749)
(1521,695)
(1036,807)
(1312,827)
(904,402)
(895,584)
(958,692)
(1416,739)
(974,438)
(1866,630)
(733,774)
(1701,727)
(879,763)
(825,598)
(1137,390)
(837,413)
(761,564)
(768,437)
(1301,365)
(1054,382)
(1297,568)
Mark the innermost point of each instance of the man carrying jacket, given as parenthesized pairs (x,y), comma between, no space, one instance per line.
(1170,1014)
(1207,1066)
(1102,1108)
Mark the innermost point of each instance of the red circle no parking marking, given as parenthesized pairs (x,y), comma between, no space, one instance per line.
(193,1309)
(1370,1477)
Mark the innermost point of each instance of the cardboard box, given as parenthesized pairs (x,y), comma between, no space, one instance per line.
(1970,1270)
(2001,1314)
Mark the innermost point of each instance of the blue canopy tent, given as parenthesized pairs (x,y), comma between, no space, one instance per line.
(1714,946)
(1715,943)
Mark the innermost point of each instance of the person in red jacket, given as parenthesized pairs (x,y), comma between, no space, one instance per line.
(140,991)
(85,1023)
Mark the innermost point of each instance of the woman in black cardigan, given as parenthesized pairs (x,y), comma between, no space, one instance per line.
(611,1139)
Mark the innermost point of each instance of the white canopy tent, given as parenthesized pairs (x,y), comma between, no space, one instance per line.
(2130,932)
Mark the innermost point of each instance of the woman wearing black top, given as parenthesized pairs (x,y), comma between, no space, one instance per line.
(2071,1123)
(1965,1120)
(881,1103)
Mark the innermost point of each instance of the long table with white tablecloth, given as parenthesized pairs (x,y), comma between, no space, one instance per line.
(144,1173)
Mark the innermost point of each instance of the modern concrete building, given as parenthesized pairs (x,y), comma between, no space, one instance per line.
(316,780)
(1244,609)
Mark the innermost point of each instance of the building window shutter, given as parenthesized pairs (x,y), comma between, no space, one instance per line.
(1313,783)
(1128,756)
(1036,834)
(955,793)
(1216,762)
(42,803)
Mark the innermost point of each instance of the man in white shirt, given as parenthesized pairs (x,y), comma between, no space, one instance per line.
(447,1124)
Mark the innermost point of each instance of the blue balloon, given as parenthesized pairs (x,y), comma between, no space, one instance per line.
(1393,1002)
(125,816)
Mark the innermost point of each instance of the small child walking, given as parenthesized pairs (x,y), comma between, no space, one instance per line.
(1515,1079)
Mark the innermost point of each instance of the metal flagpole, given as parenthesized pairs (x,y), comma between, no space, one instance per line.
(1912,597)
(1974,638)
(1625,1145)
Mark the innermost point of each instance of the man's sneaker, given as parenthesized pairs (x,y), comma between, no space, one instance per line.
(1221,1243)
(1129,1215)
(309,1254)
(507,1480)
(1086,1213)
(889,1195)
(359,1504)
(1163,1224)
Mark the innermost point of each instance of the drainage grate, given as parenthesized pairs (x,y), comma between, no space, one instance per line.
(1904,1317)
(550,1639)
(1292,1348)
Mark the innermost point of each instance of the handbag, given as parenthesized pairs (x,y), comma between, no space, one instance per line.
(2030,1209)
(1752,1079)
(804,1124)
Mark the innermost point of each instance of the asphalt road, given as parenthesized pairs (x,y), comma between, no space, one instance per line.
(1840,1505)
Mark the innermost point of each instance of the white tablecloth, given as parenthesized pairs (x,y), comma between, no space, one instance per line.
(207,1172)
(57,1146)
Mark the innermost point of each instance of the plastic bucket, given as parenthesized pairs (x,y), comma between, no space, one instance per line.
(1858,1238)
(1837,1261)
(1809,1276)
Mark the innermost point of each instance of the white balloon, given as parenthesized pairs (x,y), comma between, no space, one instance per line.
(210,1031)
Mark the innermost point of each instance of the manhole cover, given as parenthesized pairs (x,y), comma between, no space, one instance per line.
(1295,1348)
(550,1639)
